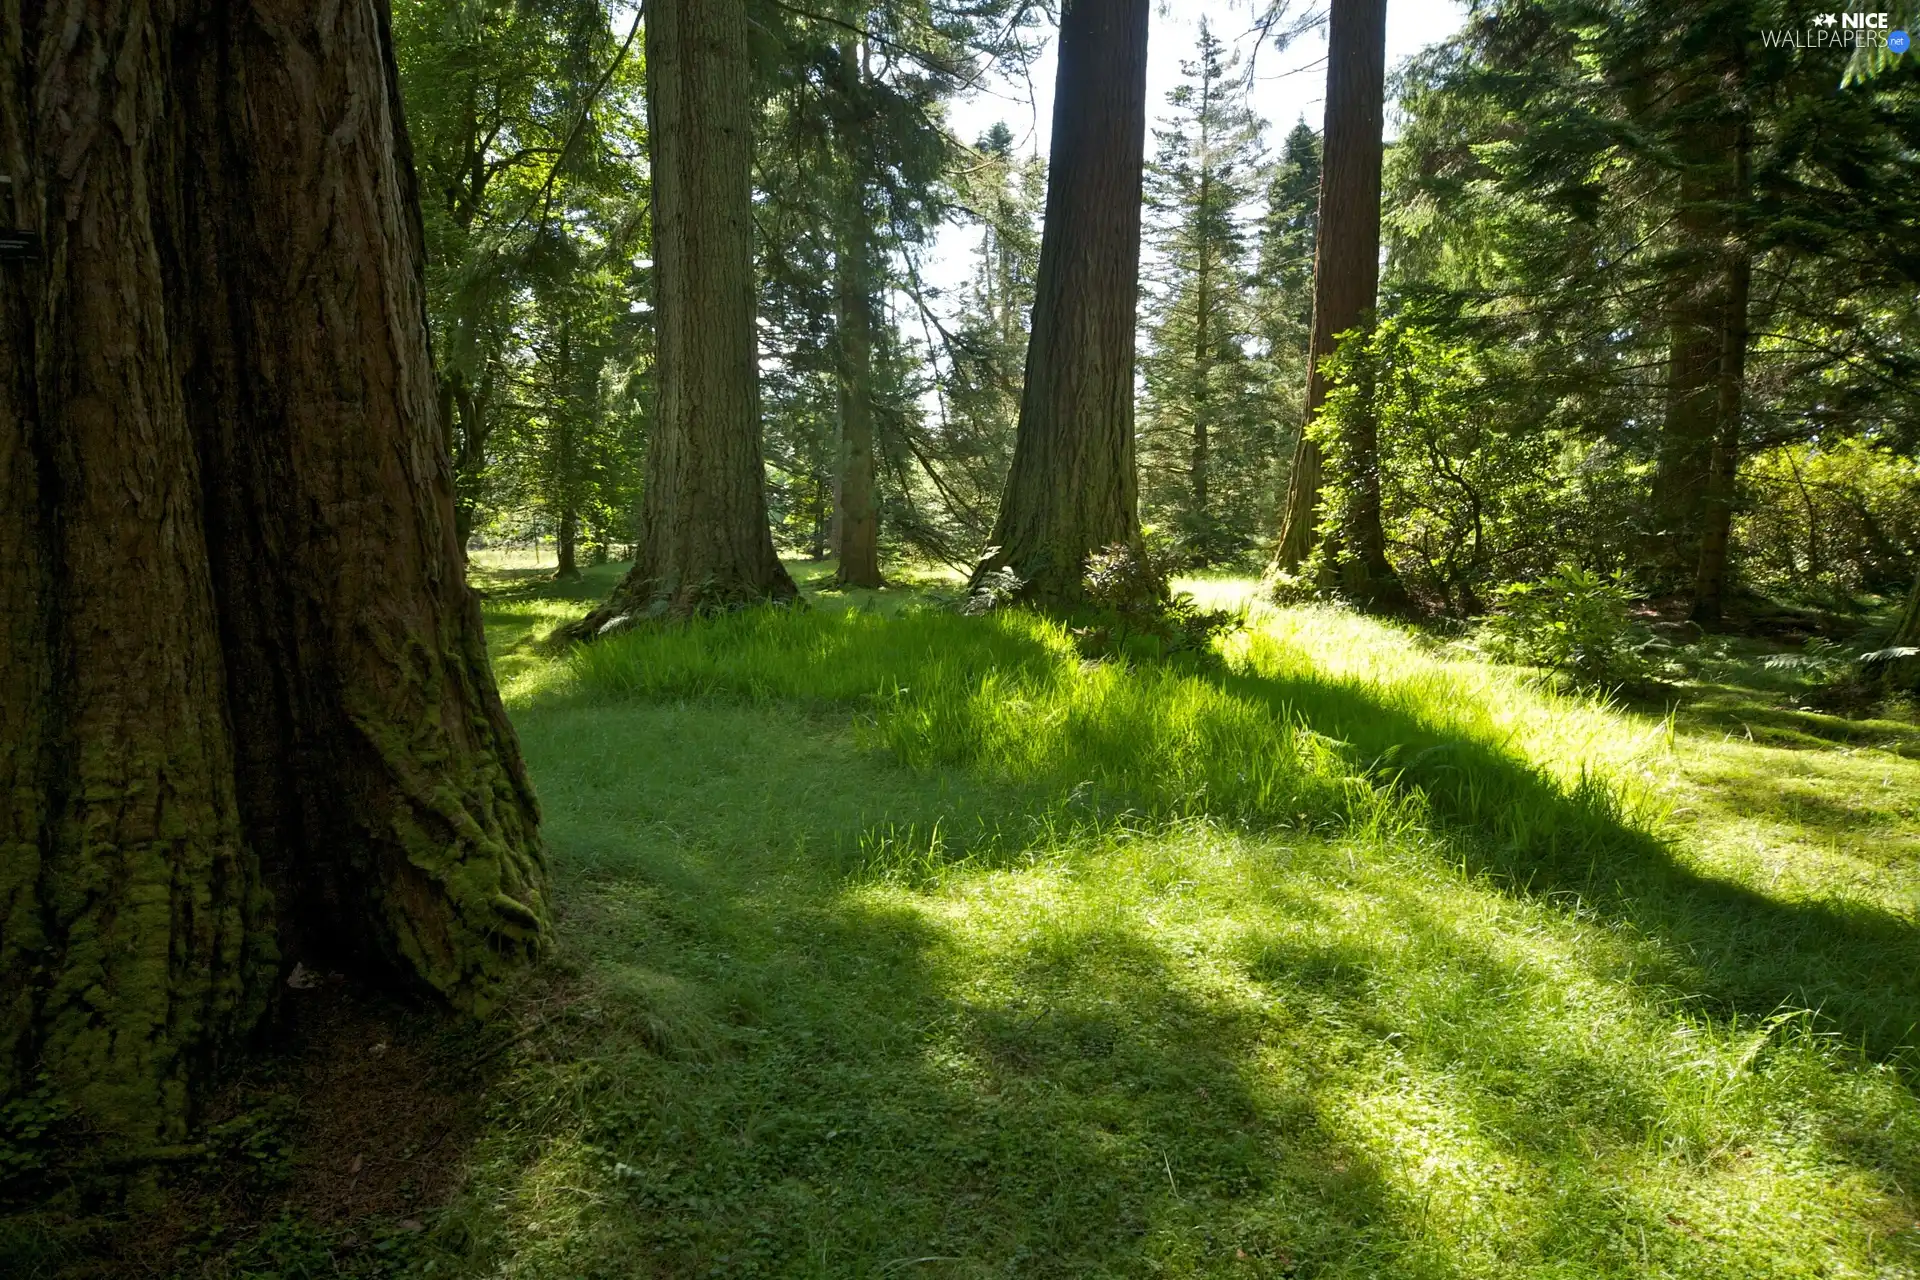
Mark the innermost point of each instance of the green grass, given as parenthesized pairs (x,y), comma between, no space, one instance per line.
(894,943)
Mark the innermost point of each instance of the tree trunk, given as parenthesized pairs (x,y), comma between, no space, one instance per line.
(470,452)
(562,405)
(1700,309)
(1730,373)
(567,538)
(1906,632)
(245,656)
(1346,264)
(1716,535)
(135,949)
(857,515)
(1072,489)
(704,540)
(1904,673)
(1688,434)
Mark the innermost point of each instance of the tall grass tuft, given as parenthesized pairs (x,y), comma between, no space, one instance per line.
(1263,736)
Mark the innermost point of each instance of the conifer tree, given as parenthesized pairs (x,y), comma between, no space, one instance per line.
(704,540)
(1202,461)
(1072,489)
(1350,541)
(248,717)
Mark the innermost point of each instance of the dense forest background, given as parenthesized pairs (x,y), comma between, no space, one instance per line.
(1600,325)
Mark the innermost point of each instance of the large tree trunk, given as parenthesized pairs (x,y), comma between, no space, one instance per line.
(1730,368)
(1685,460)
(1707,321)
(1723,474)
(1072,489)
(1346,271)
(135,949)
(704,540)
(246,655)
(857,516)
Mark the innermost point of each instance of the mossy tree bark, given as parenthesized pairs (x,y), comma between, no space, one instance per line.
(704,540)
(1346,282)
(248,712)
(1073,488)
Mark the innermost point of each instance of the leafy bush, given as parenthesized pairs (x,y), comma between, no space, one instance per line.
(1136,616)
(1829,520)
(1574,621)
(1476,487)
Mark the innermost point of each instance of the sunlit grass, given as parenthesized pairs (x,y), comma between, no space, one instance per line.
(916,945)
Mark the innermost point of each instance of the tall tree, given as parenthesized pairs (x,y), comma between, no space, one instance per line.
(248,713)
(1072,489)
(1283,279)
(1346,280)
(526,116)
(856,505)
(1202,458)
(704,540)
(1690,245)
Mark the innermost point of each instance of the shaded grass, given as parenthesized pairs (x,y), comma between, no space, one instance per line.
(916,946)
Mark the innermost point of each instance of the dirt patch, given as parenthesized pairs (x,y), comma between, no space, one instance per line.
(326,1155)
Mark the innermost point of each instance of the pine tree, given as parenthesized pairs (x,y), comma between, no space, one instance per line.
(1349,540)
(1283,288)
(1202,462)
(704,541)
(1072,489)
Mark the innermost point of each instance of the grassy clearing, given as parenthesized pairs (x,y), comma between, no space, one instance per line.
(896,943)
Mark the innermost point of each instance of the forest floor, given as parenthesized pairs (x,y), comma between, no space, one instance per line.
(897,943)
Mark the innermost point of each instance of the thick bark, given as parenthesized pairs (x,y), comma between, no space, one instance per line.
(1716,534)
(1707,332)
(704,540)
(1691,427)
(240,600)
(133,950)
(1346,267)
(1730,373)
(857,515)
(1072,489)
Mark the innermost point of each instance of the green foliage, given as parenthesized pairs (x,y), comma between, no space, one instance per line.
(1829,522)
(1564,202)
(1135,615)
(33,1127)
(1469,499)
(1575,621)
(527,118)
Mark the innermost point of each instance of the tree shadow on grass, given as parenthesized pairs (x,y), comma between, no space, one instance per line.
(772,1069)
(1505,819)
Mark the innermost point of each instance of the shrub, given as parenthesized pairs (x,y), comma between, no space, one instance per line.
(1573,621)
(1134,614)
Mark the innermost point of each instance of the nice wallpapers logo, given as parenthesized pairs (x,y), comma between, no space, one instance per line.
(1847,31)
